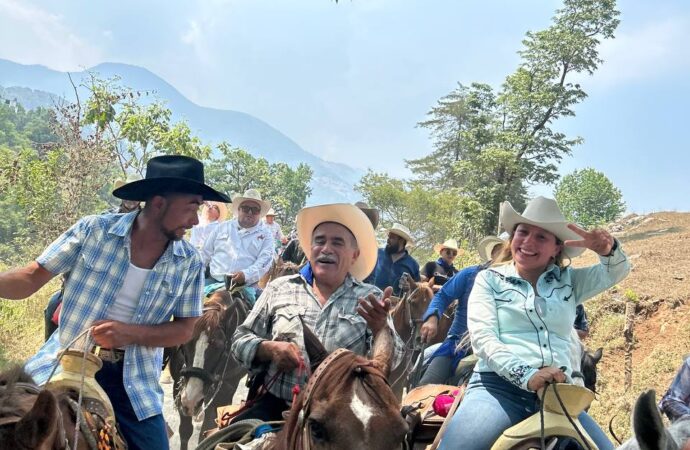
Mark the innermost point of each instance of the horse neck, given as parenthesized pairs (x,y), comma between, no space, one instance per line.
(401,319)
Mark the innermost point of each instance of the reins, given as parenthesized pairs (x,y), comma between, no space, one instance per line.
(542,436)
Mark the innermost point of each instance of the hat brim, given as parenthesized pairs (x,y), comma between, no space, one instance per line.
(141,190)
(409,242)
(438,248)
(487,245)
(509,219)
(238,200)
(352,218)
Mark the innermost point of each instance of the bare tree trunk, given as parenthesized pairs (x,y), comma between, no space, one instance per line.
(629,338)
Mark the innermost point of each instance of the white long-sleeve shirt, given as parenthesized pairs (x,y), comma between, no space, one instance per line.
(230,249)
(201,232)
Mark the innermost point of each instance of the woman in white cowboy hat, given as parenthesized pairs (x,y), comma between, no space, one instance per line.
(520,318)
(442,269)
(394,260)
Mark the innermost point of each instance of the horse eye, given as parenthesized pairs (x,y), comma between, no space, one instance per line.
(318,431)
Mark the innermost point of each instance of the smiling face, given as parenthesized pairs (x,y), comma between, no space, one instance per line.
(333,251)
(177,213)
(533,249)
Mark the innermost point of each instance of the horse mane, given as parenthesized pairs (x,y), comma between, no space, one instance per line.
(10,398)
(213,312)
(342,372)
(15,374)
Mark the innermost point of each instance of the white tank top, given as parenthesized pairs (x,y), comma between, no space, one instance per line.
(126,301)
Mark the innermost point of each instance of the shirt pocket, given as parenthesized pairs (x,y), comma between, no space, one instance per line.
(287,325)
(351,332)
(96,263)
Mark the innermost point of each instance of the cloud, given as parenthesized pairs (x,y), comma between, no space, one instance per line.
(647,52)
(29,34)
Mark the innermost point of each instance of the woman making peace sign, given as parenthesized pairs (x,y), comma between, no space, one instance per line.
(520,317)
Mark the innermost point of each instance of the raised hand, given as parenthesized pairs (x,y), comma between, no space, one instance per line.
(376,311)
(598,240)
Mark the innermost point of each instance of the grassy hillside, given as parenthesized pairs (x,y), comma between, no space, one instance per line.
(659,248)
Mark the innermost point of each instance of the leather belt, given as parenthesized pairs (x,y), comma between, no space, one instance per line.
(112,355)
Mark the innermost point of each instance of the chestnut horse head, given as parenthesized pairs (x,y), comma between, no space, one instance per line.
(346,403)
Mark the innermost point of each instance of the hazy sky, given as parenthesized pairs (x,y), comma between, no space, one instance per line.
(349,81)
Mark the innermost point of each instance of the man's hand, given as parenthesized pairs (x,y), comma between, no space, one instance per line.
(237,278)
(375,311)
(429,329)
(285,355)
(545,375)
(112,334)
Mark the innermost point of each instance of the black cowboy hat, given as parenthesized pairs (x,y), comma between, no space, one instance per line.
(168,174)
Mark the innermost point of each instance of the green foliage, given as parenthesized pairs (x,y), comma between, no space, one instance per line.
(631,296)
(491,146)
(588,197)
(236,170)
(431,216)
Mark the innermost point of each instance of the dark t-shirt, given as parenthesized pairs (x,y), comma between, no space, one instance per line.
(441,274)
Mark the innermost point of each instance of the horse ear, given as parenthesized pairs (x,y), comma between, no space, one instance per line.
(315,349)
(596,356)
(648,426)
(40,423)
(383,350)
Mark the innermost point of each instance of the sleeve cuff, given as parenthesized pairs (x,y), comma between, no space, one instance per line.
(526,378)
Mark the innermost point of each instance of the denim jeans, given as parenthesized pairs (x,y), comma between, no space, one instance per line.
(492,405)
(147,434)
(676,402)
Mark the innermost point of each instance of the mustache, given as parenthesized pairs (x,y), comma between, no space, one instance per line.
(326,259)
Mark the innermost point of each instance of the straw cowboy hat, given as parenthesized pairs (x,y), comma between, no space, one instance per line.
(253,195)
(222,210)
(371,213)
(352,218)
(487,245)
(170,173)
(543,213)
(450,243)
(403,232)
(271,212)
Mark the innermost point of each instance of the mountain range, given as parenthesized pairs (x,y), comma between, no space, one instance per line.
(36,85)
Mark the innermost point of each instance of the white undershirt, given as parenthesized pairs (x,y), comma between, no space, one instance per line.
(126,301)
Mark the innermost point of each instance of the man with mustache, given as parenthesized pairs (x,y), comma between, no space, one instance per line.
(129,274)
(327,296)
(240,249)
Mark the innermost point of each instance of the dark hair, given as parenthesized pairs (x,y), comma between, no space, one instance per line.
(506,254)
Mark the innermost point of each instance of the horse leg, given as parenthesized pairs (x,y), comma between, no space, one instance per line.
(186,429)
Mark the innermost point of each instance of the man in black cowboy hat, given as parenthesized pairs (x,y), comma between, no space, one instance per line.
(129,273)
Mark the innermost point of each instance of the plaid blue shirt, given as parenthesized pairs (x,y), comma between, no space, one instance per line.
(337,325)
(96,252)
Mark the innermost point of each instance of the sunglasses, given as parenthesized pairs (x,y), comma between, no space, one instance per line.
(250,209)
(450,252)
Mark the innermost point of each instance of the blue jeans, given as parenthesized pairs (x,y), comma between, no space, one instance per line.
(147,434)
(492,405)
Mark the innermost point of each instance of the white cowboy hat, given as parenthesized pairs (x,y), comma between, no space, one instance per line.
(486,246)
(450,243)
(403,232)
(543,213)
(252,195)
(352,218)
(271,212)
(222,210)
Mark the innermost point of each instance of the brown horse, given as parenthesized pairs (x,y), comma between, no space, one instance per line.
(407,316)
(204,371)
(346,404)
(31,418)
(278,269)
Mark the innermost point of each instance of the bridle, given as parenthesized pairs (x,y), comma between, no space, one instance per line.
(212,379)
(301,435)
(410,344)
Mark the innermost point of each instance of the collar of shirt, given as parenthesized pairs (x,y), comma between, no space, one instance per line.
(307,274)
(442,262)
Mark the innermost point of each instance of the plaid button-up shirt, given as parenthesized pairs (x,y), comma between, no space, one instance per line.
(96,252)
(336,324)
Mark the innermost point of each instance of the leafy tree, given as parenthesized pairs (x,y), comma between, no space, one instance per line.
(589,198)
(236,170)
(491,146)
(431,216)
